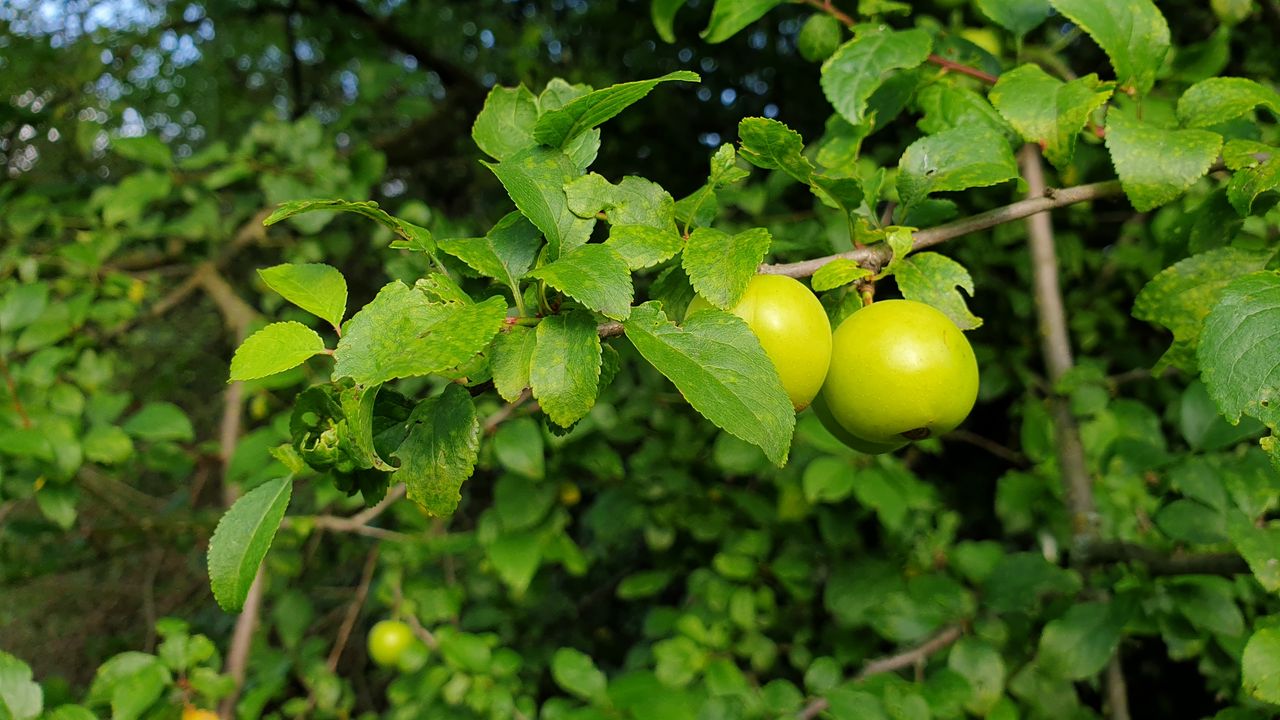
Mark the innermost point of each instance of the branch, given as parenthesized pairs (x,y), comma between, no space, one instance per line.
(241,640)
(878,255)
(392,33)
(492,422)
(353,610)
(891,663)
(13,393)
(1159,563)
(1117,689)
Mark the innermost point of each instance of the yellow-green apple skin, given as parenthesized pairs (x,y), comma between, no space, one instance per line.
(388,641)
(792,328)
(820,409)
(900,370)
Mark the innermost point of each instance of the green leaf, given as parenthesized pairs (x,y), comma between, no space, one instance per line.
(403,334)
(146,149)
(107,444)
(516,557)
(1192,521)
(933,279)
(1079,644)
(643,584)
(1260,665)
(594,275)
(518,447)
(663,13)
(838,272)
(772,145)
(1220,99)
(158,421)
(982,666)
(1237,350)
(319,289)
(23,305)
(440,451)
(242,538)
(958,159)
(730,16)
(504,126)
(1156,165)
(634,201)
(720,265)
(1252,181)
(827,480)
(273,349)
(1133,34)
(1260,548)
(509,359)
(1046,111)
(860,66)
(505,253)
(718,365)
(642,246)
(565,368)
(1017,16)
(22,698)
(1181,296)
(946,107)
(557,127)
(535,180)
(578,674)
(412,236)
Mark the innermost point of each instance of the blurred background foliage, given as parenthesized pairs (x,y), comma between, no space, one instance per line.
(141,141)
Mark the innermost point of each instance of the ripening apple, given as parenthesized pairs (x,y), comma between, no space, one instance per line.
(792,328)
(388,641)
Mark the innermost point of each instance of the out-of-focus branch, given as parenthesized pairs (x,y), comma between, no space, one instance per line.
(1160,563)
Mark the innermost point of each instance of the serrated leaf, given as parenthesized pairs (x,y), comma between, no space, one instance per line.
(565,368)
(412,236)
(730,16)
(933,279)
(946,107)
(594,275)
(663,14)
(1157,165)
(319,289)
(724,167)
(535,180)
(642,246)
(1220,99)
(509,359)
(400,333)
(1133,34)
(275,348)
(900,240)
(1237,349)
(1250,183)
(504,126)
(1046,111)
(860,66)
(505,253)
(20,697)
(958,159)
(719,366)
(1260,665)
(840,271)
(772,145)
(440,451)
(576,673)
(242,538)
(1181,296)
(1017,16)
(720,265)
(557,127)
(1079,644)
(633,201)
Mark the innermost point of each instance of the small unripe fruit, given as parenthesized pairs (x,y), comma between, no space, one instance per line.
(900,370)
(194,713)
(819,37)
(792,328)
(388,641)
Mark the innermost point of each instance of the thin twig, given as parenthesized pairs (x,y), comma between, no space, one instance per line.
(241,641)
(879,253)
(423,634)
(13,393)
(492,422)
(913,656)
(353,610)
(1157,562)
(1013,457)
(1117,689)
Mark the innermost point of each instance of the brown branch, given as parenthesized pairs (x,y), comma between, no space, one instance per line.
(1160,563)
(423,634)
(1009,455)
(241,640)
(353,610)
(1117,689)
(878,255)
(13,393)
(492,422)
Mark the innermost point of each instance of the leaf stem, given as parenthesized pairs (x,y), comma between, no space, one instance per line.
(13,393)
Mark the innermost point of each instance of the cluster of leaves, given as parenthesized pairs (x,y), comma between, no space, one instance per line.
(749,566)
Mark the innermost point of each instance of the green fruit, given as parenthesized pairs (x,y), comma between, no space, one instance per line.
(819,37)
(388,641)
(864,446)
(791,326)
(900,370)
